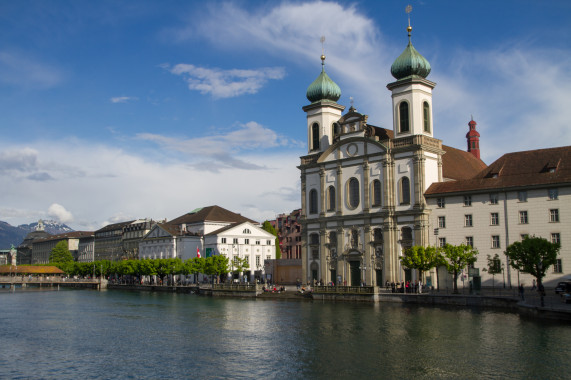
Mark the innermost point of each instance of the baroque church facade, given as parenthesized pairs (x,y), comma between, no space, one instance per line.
(362,187)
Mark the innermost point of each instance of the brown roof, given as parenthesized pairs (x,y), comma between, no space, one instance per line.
(210,214)
(30,269)
(541,167)
(456,164)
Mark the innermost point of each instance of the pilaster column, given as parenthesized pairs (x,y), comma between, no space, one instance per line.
(339,191)
(322,191)
(322,254)
(365,186)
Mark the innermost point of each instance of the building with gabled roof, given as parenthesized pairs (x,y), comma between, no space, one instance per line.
(207,232)
(520,194)
(369,193)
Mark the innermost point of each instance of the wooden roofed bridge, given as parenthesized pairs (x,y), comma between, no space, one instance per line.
(13,276)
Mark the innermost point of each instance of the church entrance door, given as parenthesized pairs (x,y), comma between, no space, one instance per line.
(355,273)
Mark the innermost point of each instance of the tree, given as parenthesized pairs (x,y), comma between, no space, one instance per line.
(494,267)
(239,264)
(267,226)
(533,255)
(60,253)
(421,258)
(456,258)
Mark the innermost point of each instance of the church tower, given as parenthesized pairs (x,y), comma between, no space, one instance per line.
(411,93)
(473,139)
(323,111)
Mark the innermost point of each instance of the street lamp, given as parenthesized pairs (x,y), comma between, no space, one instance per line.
(504,275)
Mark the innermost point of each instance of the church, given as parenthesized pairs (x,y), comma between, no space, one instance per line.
(364,188)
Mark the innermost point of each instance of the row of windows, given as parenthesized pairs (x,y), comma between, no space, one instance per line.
(552,194)
(404,117)
(495,218)
(495,240)
(246,241)
(353,192)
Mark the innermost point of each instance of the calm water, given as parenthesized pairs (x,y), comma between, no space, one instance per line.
(76,334)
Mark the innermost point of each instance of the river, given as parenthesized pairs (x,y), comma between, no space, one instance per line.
(74,334)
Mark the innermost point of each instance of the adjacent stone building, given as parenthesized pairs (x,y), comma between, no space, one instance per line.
(520,194)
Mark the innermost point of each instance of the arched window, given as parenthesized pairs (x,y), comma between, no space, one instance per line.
(353,192)
(331,198)
(376,192)
(406,237)
(404,118)
(313,201)
(426,116)
(404,191)
(315,136)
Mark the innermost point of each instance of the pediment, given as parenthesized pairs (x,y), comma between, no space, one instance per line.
(352,148)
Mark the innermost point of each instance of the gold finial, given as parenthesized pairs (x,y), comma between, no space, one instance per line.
(322,39)
(408,9)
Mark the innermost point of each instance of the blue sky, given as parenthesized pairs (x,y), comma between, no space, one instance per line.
(117,110)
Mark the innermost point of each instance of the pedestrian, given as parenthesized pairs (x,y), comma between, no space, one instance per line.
(521,290)
(533,285)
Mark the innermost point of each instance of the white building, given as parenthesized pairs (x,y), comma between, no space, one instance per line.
(522,193)
(211,231)
(363,187)
(369,193)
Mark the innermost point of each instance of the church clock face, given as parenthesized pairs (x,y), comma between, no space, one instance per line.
(352,150)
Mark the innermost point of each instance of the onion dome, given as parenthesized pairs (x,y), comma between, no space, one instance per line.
(472,132)
(410,63)
(323,88)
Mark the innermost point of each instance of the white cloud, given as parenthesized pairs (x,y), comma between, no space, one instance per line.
(119,185)
(226,83)
(18,70)
(220,151)
(515,94)
(59,213)
(123,99)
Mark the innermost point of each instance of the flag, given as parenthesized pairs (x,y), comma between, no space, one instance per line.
(197,252)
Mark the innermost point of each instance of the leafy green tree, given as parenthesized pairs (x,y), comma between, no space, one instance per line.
(494,267)
(421,258)
(220,265)
(239,264)
(60,253)
(456,258)
(267,226)
(533,255)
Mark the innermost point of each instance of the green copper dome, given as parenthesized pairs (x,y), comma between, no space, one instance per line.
(323,88)
(410,63)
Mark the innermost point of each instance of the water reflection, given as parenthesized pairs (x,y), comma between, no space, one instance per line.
(72,334)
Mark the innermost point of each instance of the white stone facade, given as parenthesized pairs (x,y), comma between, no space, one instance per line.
(494,226)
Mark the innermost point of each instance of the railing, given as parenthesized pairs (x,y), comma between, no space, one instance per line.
(345,289)
(47,279)
(235,287)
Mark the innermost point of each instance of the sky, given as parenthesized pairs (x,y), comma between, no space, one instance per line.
(119,110)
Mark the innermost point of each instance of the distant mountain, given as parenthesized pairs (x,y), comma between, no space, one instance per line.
(50,226)
(15,235)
